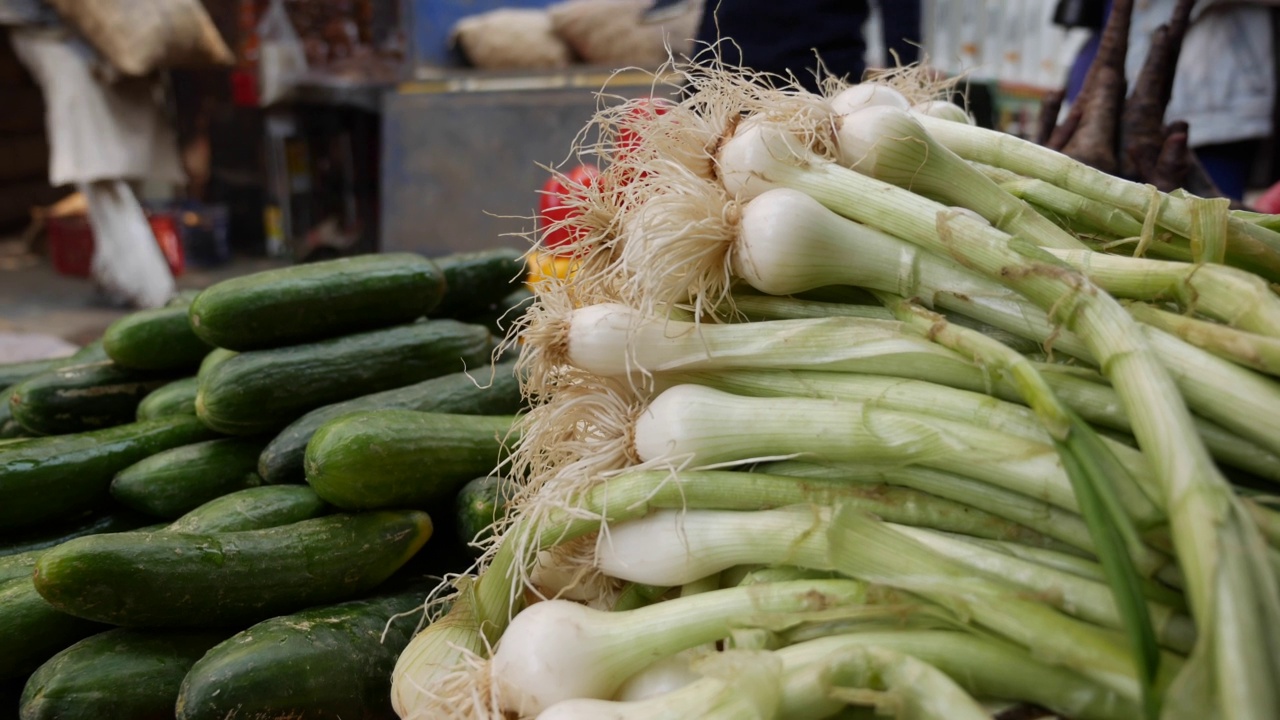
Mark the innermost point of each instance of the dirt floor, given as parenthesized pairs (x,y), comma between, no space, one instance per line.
(44,314)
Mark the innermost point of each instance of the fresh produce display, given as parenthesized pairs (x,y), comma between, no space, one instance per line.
(477,282)
(348,650)
(114,519)
(302,303)
(481,503)
(479,392)
(253,509)
(119,673)
(262,391)
(402,458)
(159,339)
(32,630)
(56,477)
(825,417)
(830,405)
(174,398)
(81,397)
(184,579)
(171,483)
(14,373)
(79,511)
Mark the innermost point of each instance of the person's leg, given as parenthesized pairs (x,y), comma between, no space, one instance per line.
(127,262)
(1229,165)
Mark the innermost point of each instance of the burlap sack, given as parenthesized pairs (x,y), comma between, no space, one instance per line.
(140,36)
(616,32)
(510,38)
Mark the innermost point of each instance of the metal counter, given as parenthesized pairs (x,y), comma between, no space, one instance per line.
(461,153)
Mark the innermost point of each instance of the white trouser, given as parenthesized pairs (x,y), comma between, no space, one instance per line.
(126,259)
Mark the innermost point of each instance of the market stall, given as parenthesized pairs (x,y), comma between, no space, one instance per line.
(782,404)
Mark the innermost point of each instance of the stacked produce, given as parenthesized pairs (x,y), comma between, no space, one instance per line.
(828,418)
(173,543)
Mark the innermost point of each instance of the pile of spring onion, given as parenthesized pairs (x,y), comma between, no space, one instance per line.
(850,406)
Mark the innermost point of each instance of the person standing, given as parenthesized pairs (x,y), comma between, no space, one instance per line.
(105,135)
(791,37)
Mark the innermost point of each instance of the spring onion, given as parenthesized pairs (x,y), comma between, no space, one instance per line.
(734,684)
(558,650)
(1205,518)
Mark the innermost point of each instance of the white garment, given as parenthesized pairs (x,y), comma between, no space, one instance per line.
(126,258)
(1225,86)
(102,135)
(97,130)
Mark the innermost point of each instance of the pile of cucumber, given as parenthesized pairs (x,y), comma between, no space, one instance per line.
(220,508)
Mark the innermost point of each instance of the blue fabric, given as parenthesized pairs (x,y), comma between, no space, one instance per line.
(1229,165)
(780,37)
(27,12)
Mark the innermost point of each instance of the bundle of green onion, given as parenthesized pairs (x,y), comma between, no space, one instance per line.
(850,406)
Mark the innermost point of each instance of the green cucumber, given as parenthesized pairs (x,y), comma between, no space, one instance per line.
(58,477)
(175,398)
(120,673)
(253,509)
(10,429)
(305,303)
(31,630)
(214,359)
(476,281)
(482,391)
(479,504)
(81,397)
(505,313)
(176,481)
(168,579)
(155,339)
(19,565)
(401,458)
(325,662)
(113,520)
(265,390)
(14,373)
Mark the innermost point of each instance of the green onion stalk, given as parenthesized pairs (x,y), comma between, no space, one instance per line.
(1215,387)
(1246,349)
(557,650)
(675,547)
(984,666)
(784,243)
(1157,592)
(1249,246)
(443,672)
(1092,467)
(869,141)
(733,684)
(1235,596)
(883,678)
(1054,522)
(893,146)
(699,426)
(865,548)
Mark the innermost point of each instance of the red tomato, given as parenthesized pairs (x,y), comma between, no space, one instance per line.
(628,139)
(552,208)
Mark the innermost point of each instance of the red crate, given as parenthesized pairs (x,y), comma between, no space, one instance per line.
(71,243)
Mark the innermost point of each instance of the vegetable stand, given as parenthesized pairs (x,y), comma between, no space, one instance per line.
(817,417)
